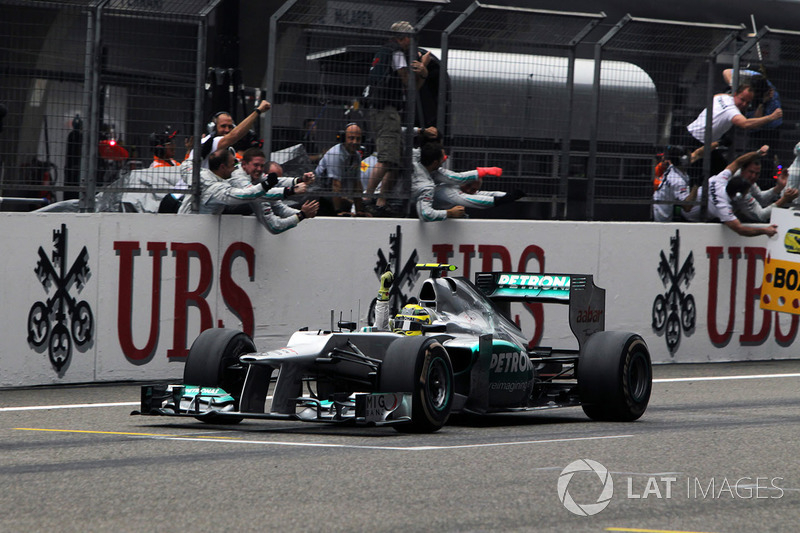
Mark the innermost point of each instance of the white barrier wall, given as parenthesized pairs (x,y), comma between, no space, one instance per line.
(100,297)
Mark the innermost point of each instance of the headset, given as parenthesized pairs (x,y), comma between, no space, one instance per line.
(677,156)
(340,136)
(211,127)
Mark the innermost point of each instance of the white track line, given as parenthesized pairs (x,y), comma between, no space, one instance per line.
(663,380)
(68,406)
(394,448)
(724,378)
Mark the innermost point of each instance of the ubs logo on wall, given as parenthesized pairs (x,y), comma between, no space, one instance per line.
(61,320)
(674,311)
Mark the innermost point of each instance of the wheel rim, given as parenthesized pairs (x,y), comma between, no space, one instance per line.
(437,384)
(638,377)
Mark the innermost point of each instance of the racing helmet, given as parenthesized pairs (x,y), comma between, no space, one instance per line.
(410,319)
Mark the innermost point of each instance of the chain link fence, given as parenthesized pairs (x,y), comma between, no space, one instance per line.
(43,53)
(671,69)
(318,69)
(776,54)
(97,92)
(574,107)
(517,96)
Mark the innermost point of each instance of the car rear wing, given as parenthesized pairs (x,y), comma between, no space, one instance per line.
(587,301)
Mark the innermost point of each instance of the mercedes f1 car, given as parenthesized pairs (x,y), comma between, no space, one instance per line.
(471,358)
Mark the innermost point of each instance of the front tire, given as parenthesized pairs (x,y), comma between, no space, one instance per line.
(615,376)
(420,365)
(213,361)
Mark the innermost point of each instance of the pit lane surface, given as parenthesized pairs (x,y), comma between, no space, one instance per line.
(717,450)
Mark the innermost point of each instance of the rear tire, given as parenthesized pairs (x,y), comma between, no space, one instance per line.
(213,361)
(615,376)
(420,365)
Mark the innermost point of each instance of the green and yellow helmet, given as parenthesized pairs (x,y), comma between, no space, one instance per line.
(410,319)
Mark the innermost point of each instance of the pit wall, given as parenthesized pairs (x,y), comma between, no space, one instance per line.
(107,297)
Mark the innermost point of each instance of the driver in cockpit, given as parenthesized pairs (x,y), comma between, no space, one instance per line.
(408,321)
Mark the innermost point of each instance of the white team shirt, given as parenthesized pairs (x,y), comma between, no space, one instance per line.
(205,150)
(674,188)
(719,203)
(722,116)
(399,60)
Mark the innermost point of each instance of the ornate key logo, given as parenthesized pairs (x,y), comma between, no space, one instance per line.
(61,320)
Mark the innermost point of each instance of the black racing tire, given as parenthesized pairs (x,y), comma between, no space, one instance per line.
(615,376)
(213,361)
(420,365)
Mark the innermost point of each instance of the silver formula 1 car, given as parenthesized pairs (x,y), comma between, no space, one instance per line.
(470,358)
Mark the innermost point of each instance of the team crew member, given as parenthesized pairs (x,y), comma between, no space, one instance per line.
(461,188)
(340,171)
(216,191)
(254,164)
(274,215)
(673,193)
(726,112)
(722,187)
(437,193)
(225,133)
(793,172)
(163,148)
(756,205)
(764,92)
(385,95)
(464,188)
(423,185)
(164,156)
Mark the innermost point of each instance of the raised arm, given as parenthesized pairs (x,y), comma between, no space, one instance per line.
(742,160)
(740,121)
(244,126)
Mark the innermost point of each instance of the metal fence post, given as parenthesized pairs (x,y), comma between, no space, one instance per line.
(89,97)
(441,121)
(266,119)
(595,116)
(89,151)
(566,138)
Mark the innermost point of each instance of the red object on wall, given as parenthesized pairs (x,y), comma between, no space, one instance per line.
(111,150)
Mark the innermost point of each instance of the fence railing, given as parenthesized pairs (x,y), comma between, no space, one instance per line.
(574,107)
(96,91)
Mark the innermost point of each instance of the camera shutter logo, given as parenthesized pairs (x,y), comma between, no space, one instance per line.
(585,509)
